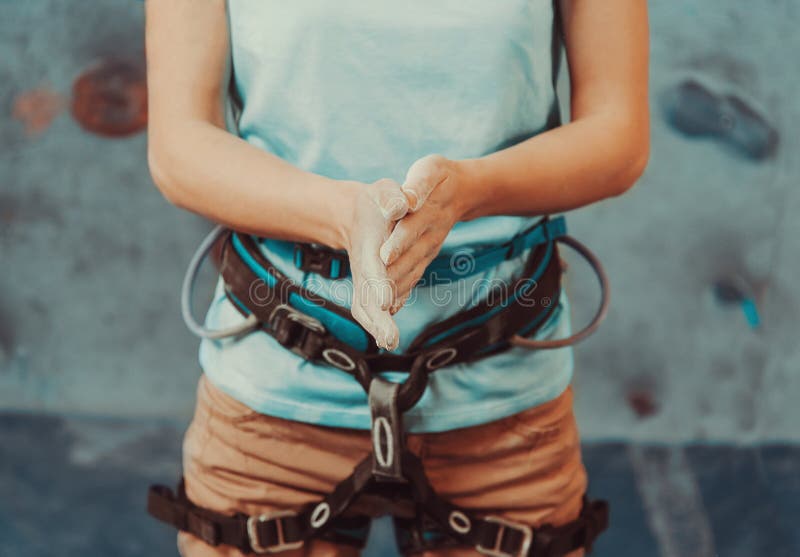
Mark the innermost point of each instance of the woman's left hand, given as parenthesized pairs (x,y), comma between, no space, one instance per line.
(432,188)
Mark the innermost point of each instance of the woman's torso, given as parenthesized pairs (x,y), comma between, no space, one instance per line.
(356,90)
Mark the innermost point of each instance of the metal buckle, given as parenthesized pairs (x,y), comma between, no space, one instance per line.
(291,313)
(316,260)
(252,533)
(527,538)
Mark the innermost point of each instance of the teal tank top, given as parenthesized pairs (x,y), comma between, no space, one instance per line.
(360,90)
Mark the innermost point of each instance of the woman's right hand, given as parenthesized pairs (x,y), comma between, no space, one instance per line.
(375,210)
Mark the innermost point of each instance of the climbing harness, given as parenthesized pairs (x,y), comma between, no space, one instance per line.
(324,333)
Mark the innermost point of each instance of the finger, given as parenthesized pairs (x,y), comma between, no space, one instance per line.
(409,282)
(378,323)
(390,199)
(375,296)
(365,320)
(406,274)
(365,313)
(391,334)
(422,178)
(420,252)
(376,286)
(398,305)
(405,234)
(357,305)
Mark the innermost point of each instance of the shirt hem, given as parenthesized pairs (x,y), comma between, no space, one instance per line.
(416,422)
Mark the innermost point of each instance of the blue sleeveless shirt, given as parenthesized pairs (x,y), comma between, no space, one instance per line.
(360,90)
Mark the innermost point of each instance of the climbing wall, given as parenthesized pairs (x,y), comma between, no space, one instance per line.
(90,251)
(701,342)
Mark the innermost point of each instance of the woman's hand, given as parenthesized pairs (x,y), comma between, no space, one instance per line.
(432,188)
(375,210)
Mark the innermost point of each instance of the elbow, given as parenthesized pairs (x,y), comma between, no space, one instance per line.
(162,173)
(633,162)
(632,169)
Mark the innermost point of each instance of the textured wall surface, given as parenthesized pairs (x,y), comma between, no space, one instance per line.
(704,212)
(92,256)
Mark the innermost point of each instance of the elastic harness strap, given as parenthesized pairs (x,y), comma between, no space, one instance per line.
(270,532)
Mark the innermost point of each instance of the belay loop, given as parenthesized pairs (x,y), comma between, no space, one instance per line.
(388,437)
(408,392)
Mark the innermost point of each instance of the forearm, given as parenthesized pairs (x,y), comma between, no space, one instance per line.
(577,164)
(207,170)
(604,149)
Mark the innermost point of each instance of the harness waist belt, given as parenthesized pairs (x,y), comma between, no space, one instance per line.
(334,264)
(324,332)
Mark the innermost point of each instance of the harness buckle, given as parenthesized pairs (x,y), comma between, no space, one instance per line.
(321,261)
(281,545)
(505,525)
(291,313)
(287,324)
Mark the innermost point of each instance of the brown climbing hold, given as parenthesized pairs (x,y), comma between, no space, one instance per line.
(37,109)
(642,403)
(110,97)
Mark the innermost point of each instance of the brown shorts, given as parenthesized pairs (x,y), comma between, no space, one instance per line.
(526,467)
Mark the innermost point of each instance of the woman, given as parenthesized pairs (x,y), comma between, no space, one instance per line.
(394,132)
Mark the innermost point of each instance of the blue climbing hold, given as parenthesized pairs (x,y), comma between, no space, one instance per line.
(694,110)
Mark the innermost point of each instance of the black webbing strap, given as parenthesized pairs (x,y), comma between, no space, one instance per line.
(321,260)
(390,464)
(388,437)
(492,535)
(456,527)
(269,532)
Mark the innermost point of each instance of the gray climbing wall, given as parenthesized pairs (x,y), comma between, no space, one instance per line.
(92,256)
(678,359)
(91,253)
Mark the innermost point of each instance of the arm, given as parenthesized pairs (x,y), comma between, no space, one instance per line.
(604,149)
(599,154)
(198,165)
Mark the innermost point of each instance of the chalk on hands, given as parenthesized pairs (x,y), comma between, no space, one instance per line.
(422,178)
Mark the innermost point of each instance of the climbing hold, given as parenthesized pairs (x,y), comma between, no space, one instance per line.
(730,290)
(735,290)
(750,310)
(37,109)
(110,98)
(642,402)
(692,109)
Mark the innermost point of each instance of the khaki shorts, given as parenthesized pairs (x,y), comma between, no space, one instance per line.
(526,467)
